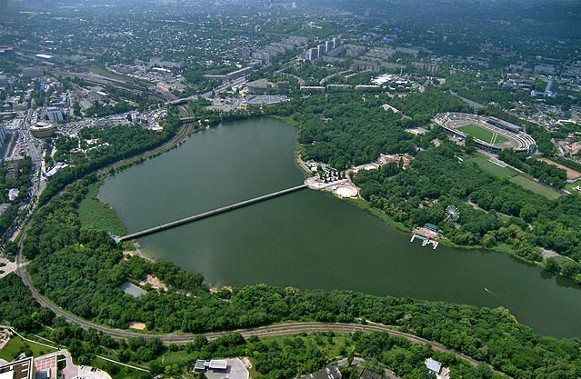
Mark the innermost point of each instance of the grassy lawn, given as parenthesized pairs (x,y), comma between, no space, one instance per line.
(514,176)
(482,134)
(535,187)
(491,168)
(96,214)
(118,371)
(17,345)
(569,187)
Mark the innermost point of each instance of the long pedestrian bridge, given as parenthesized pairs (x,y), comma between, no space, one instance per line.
(211,213)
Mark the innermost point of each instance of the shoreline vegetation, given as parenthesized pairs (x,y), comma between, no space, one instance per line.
(96,214)
(361,203)
(497,213)
(134,250)
(367,207)
(189,306)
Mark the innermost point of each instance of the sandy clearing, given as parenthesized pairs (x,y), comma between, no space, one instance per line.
(137,326)
(345,191)
(155,283)
(571,174)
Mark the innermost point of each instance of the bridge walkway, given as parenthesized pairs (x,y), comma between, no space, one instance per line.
(211,213)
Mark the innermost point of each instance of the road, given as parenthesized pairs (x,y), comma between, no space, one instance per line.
(283,329)
(472,103)
(221,88)
(261,332)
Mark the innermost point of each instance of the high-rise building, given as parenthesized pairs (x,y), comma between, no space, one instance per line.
(3,137)
(314,53)
(548,89)
(54,114)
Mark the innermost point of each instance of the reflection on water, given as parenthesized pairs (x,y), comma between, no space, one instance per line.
(310,239)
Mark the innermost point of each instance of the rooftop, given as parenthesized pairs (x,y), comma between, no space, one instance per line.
(21,369)
(214,364)
(330,372)
(200,364)
(433,365)
(218,364)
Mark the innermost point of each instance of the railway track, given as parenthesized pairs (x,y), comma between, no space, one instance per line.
(283,329)
(184,132)
(275,330)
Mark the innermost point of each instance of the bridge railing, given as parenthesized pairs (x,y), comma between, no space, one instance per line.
(211,213)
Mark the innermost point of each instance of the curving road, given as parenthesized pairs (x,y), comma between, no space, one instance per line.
(185,131)
(261,332)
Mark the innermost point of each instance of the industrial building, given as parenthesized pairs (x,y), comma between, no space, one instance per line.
(232,368)
(232,75)
(214,364)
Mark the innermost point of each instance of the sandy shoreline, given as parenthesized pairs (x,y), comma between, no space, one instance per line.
(137,252)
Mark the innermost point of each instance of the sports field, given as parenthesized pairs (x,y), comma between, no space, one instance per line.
(493,169)
(535,187)
(514,176)
(483,134)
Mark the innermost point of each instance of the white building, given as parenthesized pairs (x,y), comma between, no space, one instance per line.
(433,366)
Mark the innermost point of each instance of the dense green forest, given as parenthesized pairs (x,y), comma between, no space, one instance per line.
(98,110)
(546,173)
(19,308)
(81,270)
(508,213)
(343,130)
(274,358)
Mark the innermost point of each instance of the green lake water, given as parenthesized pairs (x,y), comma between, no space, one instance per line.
(310,239)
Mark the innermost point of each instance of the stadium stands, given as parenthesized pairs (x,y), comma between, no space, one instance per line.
(516,139)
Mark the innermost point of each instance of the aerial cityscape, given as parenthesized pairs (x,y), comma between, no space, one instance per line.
(290,189)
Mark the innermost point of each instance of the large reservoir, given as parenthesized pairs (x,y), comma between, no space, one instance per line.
(310,239)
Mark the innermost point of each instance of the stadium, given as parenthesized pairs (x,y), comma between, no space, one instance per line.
(489,133)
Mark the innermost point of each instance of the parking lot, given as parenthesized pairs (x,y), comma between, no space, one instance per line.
(235,370)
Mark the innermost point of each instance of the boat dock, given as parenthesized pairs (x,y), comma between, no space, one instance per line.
(425,241)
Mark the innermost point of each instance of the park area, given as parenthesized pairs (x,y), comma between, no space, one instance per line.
(17,345)
(483,134)
(501,169)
